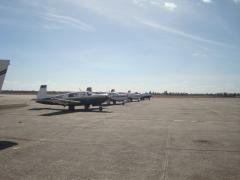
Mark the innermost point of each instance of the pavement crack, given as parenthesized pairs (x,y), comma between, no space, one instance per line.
(207,150)
(165,165)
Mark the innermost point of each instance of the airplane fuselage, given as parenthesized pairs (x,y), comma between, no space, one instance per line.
(79,101)
(71,100)
(134,96)
(118,96)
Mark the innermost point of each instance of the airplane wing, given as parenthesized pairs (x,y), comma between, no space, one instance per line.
(64,102)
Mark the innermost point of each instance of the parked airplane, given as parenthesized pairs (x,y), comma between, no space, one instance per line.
(117,97)
(82,98)
(113,96)
(134,96)
(3,70)
(146,96)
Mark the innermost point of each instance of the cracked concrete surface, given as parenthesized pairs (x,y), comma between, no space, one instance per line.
(165,138)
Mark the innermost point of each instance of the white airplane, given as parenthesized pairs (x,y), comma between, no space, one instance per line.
(3,70)
(117,97)
(82,98)
(113,96)
(146,96)
(134,96)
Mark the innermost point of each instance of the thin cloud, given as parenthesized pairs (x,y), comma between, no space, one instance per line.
(170,6)
(146,2)
(138,2)
(54,20)
(179,33)
(236,1)
(207,1)
(51,27)
(156,3)
(199,54)
(67,20)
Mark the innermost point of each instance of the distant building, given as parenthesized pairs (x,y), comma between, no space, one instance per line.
(3,70)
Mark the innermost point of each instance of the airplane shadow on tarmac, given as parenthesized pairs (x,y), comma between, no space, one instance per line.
(39,109)
(7,144)
(106,105)
(66,111)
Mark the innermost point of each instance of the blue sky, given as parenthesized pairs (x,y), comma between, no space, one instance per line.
(142,45)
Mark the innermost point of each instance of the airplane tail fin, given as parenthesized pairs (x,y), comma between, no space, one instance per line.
(3,70)
(89,89)
(42,93)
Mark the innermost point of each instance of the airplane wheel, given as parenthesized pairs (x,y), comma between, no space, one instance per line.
(100,108)
(86,107)
(123,103)
(71,108)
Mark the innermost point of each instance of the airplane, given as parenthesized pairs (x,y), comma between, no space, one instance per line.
(113,96)
(146,96)
(117,97)
(82,98)
(3,70)
(134,96)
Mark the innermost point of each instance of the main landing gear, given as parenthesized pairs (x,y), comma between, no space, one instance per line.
(86,108)
(71,108)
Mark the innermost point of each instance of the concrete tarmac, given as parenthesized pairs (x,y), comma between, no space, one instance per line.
(162,139)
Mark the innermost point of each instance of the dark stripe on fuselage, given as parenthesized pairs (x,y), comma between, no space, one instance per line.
(91,100)
(3,72)
(95,101)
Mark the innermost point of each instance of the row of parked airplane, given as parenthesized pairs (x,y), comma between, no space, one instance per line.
(88,98)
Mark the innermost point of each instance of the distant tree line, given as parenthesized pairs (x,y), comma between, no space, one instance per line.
(166,93)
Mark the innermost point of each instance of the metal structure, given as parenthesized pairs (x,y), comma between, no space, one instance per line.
(3,70)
